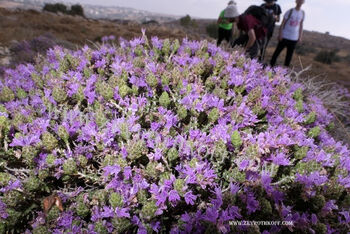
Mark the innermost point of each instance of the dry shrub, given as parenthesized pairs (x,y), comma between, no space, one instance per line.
(335,97)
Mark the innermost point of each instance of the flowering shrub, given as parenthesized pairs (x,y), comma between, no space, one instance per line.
(158,136)
(27,51)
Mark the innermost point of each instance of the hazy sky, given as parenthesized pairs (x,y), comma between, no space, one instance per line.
(321,15)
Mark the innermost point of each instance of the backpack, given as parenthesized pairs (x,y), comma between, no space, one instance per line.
(265,19)
(261,14)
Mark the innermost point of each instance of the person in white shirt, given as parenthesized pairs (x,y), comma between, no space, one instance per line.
(290,33)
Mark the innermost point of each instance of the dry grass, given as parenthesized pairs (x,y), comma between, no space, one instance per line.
(333,97)
(337,72)
(27,24)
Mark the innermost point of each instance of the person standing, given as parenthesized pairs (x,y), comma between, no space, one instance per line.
(291,31)
(275,11)
(225,28)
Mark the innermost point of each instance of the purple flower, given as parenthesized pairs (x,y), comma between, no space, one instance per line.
(314,178)
(111,170)
(211,214)
(190,198)
(88,131)
(122,212)
(234,213)
(73,89)
(155,226)
(252,203)
(344,181)
(100,63)
(314,219)
(158,154)
(11,186)
(329,206)
(28,140)
(65,220)
(243,165)
(234,188)
(155,126)
(127,172)
(174,196)
(280,159)
(156,43)
(346,216)
(107,212)
(161,198)
(3,213)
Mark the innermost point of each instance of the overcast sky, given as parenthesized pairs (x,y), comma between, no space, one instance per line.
(321,15)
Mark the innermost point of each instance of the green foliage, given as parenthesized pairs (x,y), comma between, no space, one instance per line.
(304,49)
(100,228)
(310,118)
(182,112)
(40,230)
(76,9)
(149,209)
(346,58)
(212,30)
(82,209)
(116,200)
(314,132)
(6,94)
(186,21)
(301,152)
(32,184)
(327,57)
(63,134)
(50,159)
(213,115)
(164,99)
(69,167)
(55,8)
(53,214)
(4,179)
(49,141)
(298,94)
(236,139)
(179,185)
(173,154)
(320,228)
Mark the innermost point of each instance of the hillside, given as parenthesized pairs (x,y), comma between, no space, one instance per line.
(313,42)
(18,25)
(36,27)
(95,11)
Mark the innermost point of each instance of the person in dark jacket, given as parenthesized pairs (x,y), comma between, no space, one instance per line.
(273,9)
(252,33)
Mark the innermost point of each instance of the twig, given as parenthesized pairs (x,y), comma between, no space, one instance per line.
(119,108)
(17,170)
(88,177)
(285,179)
(301,64)
(94,44)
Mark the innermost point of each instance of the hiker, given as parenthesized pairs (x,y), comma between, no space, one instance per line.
(275,11)
(290,33)
(225,28)
(252,24)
